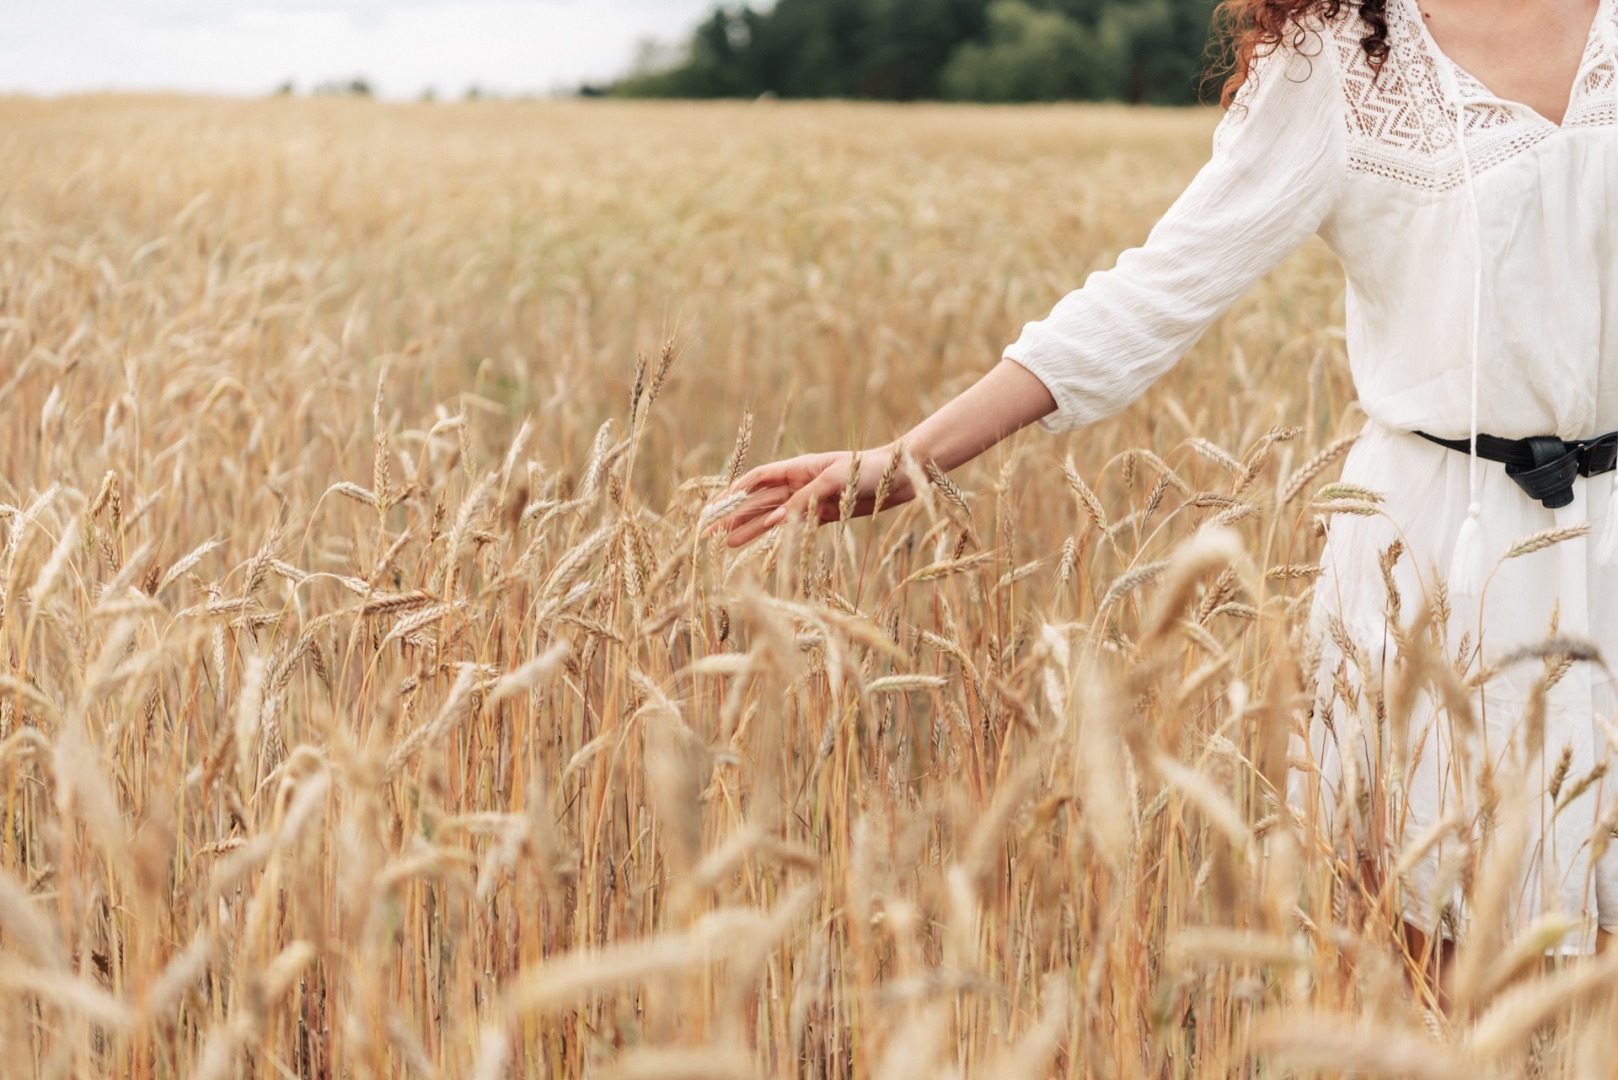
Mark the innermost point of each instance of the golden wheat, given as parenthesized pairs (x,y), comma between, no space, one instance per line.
(499,766)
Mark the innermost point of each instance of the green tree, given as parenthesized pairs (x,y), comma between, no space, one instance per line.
(902,50)
(1030,55)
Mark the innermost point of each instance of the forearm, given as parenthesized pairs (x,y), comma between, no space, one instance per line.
(1004,401)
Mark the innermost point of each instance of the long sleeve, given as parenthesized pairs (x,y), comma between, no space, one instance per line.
(1279,159)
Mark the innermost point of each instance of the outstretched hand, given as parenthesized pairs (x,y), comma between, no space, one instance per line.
(812,486)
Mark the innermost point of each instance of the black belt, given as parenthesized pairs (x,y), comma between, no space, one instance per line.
(1544,466)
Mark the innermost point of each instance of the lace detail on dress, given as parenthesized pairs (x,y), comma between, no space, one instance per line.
(1592,104)
(1402,128)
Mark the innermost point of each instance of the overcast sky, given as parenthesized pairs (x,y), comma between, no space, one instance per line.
(401,46)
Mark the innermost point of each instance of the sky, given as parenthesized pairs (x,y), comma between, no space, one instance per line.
(402,47)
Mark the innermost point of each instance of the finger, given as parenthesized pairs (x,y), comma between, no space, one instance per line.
(775,474)
(752,530)
(763,523)
(798,505)
(763,501)
(812,500)
(808,498)
(771,475)
(764,498)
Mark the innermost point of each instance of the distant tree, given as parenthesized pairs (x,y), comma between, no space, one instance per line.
(1142,51)
(1166,43)
(894,49)
(902,50)
(358,86)
(699,72)
(1030,55)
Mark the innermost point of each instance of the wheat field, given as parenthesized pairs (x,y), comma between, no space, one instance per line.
(373,704)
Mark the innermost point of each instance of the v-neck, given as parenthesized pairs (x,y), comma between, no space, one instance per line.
(1413,11)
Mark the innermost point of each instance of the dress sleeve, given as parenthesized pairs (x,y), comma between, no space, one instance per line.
(1279,159)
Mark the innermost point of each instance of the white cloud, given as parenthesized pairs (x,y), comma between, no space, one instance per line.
(401,46)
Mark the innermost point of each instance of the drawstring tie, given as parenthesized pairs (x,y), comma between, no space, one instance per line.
(1466,568)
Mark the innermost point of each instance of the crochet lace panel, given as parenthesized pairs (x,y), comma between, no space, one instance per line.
(1593,104)
(1401,128)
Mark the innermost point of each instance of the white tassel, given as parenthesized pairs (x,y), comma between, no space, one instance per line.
(1607,553)
(1466,571)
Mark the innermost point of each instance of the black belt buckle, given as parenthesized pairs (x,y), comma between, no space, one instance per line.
(1545,467)
(1550,478)
(1599,456)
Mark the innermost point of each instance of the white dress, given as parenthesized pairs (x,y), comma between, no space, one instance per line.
(1319,145)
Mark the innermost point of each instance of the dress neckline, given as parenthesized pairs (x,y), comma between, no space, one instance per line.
(1413,13)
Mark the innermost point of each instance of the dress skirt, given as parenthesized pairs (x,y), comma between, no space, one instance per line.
(1391,772)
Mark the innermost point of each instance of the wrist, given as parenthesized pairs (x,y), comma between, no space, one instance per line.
(924,443)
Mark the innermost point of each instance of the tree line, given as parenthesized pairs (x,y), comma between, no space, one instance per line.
(1143,51)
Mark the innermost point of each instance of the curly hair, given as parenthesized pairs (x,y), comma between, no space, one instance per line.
(1254,27)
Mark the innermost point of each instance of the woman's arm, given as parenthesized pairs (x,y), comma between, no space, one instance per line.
(1280,158)
(1004,401)
(1278,171)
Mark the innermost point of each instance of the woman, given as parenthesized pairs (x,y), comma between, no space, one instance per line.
(1461,159)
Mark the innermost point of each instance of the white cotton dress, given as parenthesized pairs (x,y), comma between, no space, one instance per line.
(1320,144)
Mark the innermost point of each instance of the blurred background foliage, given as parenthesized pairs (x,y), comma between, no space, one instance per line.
(1142,51)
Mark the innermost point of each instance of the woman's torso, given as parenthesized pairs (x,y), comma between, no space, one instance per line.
(1545,195)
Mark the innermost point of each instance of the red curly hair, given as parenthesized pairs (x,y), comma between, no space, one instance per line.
(1254,27)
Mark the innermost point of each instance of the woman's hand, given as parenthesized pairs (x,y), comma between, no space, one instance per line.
(1009,397)
(813,486)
